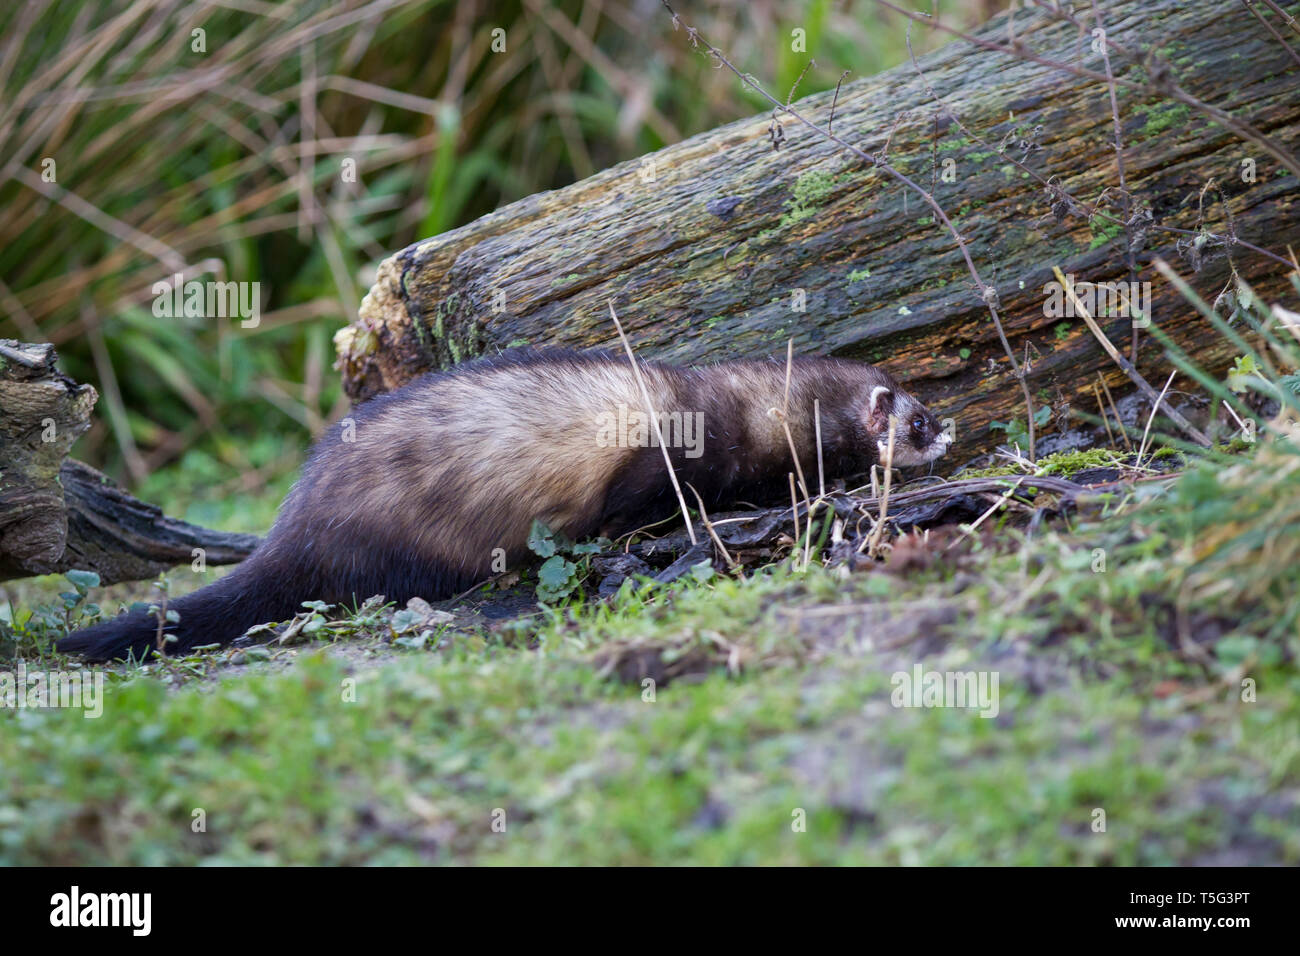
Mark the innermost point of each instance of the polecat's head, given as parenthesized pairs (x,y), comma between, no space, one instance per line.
(917,436)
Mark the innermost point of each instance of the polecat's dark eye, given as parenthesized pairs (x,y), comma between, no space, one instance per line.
(918,424)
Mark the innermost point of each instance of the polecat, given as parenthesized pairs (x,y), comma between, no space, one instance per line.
(423,491)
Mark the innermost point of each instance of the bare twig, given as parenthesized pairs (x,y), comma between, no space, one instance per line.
(1142,448)
(830,122)
(1119,167)
(799,79)
(1105,418)
(1123,431)
(817,423)
(967,532)
(873,543)
(1134,376)
(708,525)
(794,510)
(1249,5)
(654,420)
(1286,17)
(784,415)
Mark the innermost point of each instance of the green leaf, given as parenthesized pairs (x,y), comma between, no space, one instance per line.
(541,540)
(82,580)
(555,578)
(406,620)
(1244,366)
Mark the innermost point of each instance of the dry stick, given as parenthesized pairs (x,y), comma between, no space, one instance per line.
(1134,376)
(1237,418)
(807,543)
(988,294)
(1056,190)
(794,510)
(1277,36)
(980,520)
(1123,432)
(1286,17)
(1152,417)
(821,481)
(1105,418)
(873,543)
(704,516)
(783,415)
(654,420)
(1125,208)
(810,64)
(836,100)
(817,423)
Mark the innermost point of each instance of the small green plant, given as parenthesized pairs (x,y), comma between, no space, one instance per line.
(161,612)
(1017,433)
(1243,367)
(82,582)
(559,577)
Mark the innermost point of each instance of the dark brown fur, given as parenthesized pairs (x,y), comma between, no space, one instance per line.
(420,490)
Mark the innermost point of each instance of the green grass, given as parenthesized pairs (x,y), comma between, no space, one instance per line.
(780,712)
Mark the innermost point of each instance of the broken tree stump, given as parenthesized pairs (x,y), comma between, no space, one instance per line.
(708,248)
(58,514)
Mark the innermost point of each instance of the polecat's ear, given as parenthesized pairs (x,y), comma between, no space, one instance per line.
(882,399)
(879,407)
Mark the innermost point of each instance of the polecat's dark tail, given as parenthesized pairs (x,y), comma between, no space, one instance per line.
(216,614)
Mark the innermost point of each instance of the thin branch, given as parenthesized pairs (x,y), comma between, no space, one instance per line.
(1119,166)
(1134,376)
(708,525)
(654,420)
(1277,36)
(1142,448)
(1286,17)
(836,100)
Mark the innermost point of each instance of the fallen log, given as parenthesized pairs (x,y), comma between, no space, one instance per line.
(709,249)
(57,514)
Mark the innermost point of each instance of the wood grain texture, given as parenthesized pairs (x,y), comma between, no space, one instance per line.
(57,514)
(702,260)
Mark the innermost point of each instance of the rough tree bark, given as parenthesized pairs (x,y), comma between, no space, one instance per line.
(57,514)
(704,246)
